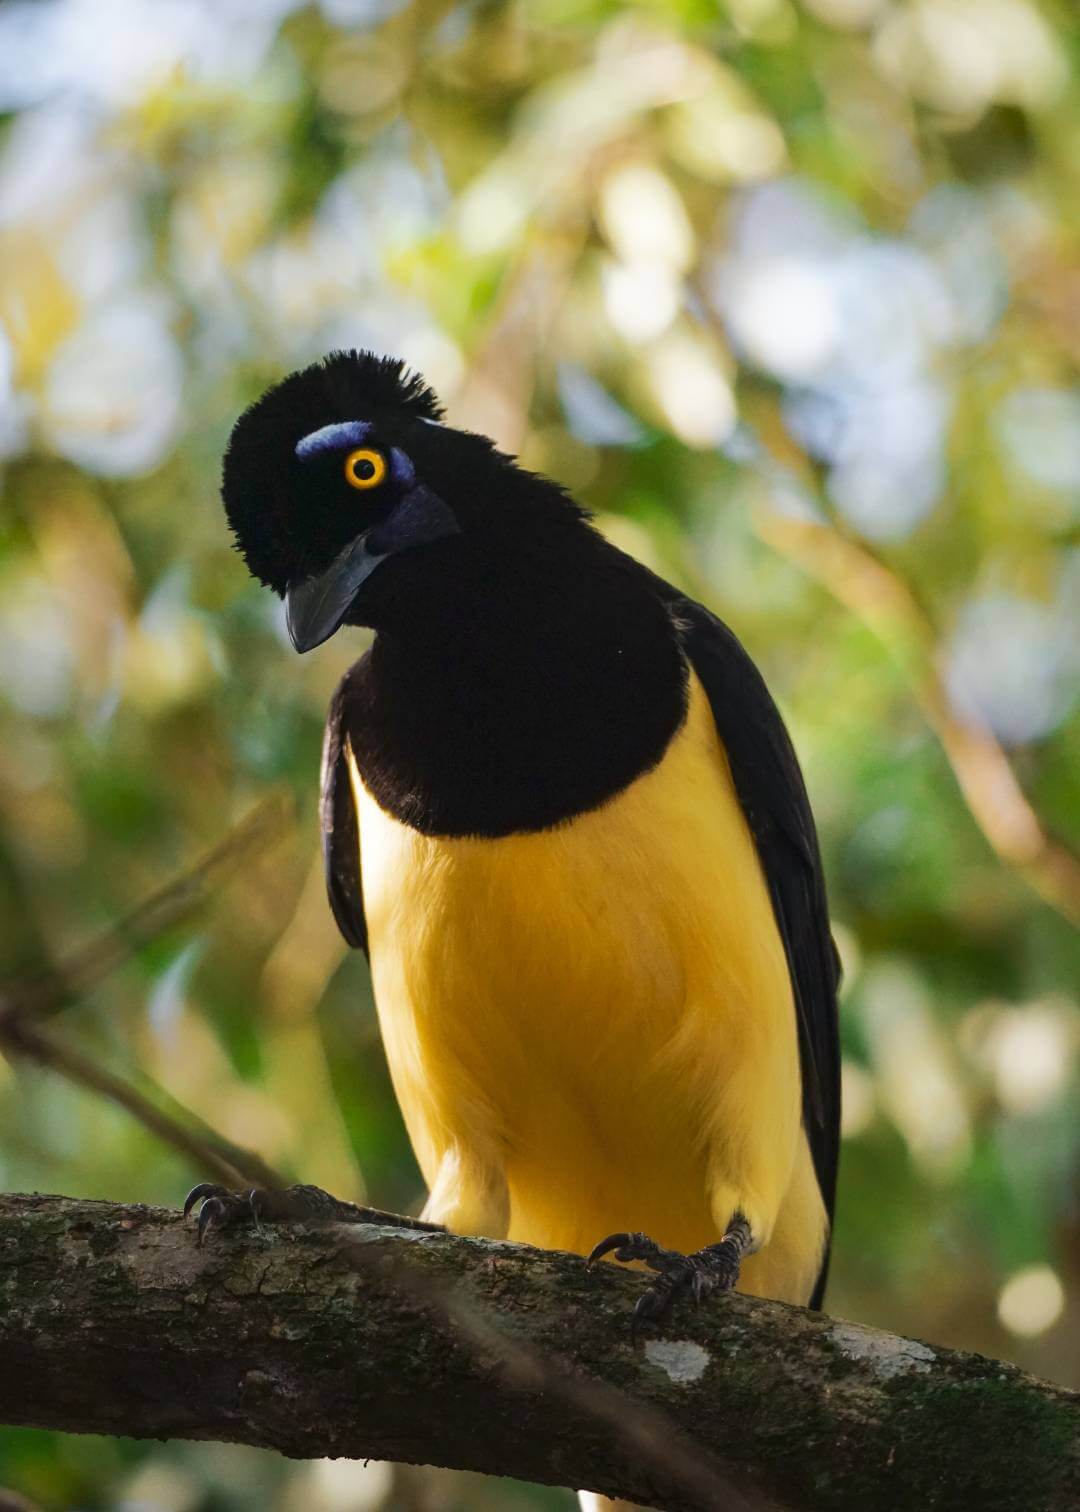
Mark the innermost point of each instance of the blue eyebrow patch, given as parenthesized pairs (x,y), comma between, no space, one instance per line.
(332,438)
(401,469)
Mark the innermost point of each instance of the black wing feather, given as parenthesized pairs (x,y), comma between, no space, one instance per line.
(337,820)
(773,795)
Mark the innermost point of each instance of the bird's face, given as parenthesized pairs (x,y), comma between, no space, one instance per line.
(333,475)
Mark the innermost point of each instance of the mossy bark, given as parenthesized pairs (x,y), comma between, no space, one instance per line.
(389,1344)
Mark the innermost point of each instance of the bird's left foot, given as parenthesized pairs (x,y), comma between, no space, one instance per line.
(296,1204)
(714,1268)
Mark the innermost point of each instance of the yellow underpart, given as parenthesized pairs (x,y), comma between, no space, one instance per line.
(591,1028)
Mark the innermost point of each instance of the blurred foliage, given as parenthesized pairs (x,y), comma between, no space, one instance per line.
(789,294)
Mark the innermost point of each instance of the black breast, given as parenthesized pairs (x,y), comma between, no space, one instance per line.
(531,694)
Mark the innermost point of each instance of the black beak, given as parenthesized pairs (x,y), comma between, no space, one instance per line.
(316,606)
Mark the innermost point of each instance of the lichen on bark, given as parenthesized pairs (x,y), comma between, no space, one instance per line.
(395,1344)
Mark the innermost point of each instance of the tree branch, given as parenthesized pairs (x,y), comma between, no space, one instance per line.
(375,1342)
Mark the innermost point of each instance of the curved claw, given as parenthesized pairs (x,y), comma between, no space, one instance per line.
(204,1189)
(701,1284)
(261,1203)
(651,1304)
(605,1247)
(212,1209)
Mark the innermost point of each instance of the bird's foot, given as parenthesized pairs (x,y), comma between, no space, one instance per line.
(296,1204)
(714,1268)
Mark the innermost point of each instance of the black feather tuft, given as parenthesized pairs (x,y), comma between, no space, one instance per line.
(366,383)
(291,518)
(276,529)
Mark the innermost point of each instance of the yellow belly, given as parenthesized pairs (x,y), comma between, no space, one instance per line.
(591,1028)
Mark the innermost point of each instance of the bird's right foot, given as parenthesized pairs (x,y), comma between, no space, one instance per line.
(296,1204)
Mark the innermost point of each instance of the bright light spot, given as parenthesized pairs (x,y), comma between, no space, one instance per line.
(641,299)
(749,146)
(774,219)
(1011,664)
(894,309)
(633,538)
(854,325)
(591,413)
(346,13)
(885,503)
(48,160)
(961,55)
(342,1485)
(1031,1301)
(35,647)
(112,395)
(492,212)
(220,217)
(1041,430)
(11,423)
(954,226)
(749,14)
(845,14)
(720,136)
(783,313)
(431,352)
(120,51)
(1028,1050)
(362,74)
(915,1077)
(847,944)
(857,1100)
(165,1004)
(161,1487)
(170,655)
(384,202)
(693,394)
(644,219)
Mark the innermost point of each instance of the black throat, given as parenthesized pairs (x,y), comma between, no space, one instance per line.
(538,684)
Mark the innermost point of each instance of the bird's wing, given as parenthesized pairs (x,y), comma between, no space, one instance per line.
(773,796)
(337,819)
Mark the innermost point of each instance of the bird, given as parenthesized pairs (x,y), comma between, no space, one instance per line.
(562,815)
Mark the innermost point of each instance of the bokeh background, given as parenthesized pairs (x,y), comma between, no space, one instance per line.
(789,293)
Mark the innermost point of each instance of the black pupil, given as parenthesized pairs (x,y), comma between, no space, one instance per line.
(364,469)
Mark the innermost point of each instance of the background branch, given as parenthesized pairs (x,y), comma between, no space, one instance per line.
(78,973)
(210,1153)
(393,1344)
(24,1002)
(884,602)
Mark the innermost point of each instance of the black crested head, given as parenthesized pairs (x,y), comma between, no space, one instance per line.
(346,466)
(524,670)
(274,517)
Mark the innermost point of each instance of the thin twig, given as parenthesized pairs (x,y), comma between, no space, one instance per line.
(887,605)
(890,606)
(78,973)
(211,1154)
(49,992)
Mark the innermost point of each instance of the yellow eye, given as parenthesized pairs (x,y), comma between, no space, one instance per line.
(365,468)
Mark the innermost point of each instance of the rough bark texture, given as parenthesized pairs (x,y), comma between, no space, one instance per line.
(374,1342)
